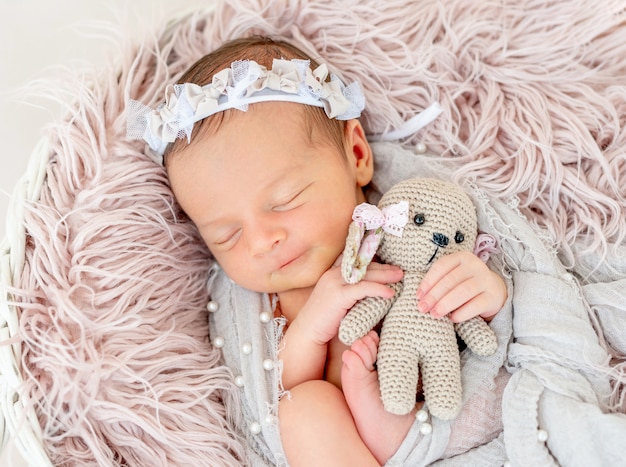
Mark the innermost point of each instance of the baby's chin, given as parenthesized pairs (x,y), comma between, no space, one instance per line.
(291,283)
(276,283)
(285,282)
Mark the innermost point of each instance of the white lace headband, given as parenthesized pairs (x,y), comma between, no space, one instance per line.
(245,82)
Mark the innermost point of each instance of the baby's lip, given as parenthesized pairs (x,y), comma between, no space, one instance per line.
(290,260)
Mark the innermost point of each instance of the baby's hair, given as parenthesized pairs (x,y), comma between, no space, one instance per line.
(263,50)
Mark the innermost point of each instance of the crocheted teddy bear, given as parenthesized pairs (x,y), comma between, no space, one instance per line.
(416,222)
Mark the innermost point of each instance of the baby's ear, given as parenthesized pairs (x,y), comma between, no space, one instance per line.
(359,152)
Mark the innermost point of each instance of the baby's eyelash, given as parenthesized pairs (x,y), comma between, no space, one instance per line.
(286,204)
(225,239)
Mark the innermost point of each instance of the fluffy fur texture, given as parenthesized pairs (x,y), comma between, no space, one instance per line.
(116,353)
(112,297)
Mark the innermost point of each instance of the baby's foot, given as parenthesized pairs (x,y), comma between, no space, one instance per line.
(381,431)
(359,379)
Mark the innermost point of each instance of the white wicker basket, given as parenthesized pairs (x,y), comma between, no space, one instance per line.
(18,427)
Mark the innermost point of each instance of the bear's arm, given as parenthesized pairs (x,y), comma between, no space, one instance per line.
(366,314)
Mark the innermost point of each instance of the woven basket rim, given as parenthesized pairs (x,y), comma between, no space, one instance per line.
(17,424)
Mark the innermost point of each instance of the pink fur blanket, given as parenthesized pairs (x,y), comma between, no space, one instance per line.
(112,297)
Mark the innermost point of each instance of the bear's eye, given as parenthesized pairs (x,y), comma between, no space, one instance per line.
(459,237)
(419,219)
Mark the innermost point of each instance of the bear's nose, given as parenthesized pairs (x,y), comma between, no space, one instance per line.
(440,239)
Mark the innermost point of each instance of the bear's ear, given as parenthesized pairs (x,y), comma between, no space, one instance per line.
(359,251)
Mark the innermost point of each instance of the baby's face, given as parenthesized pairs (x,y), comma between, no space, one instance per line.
(273,210)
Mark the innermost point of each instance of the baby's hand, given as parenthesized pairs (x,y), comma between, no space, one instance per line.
(461,286)
(332,297)
(305,342)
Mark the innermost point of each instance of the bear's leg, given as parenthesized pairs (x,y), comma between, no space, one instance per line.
(397,373)
(441,380)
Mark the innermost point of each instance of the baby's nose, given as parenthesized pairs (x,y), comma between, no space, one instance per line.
(265,239)
(440,239)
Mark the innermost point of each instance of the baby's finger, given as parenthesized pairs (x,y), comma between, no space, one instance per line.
(438,270)
(461,265)
(448,284)
(453,299)
(352,293)
(469,309)
(383,273)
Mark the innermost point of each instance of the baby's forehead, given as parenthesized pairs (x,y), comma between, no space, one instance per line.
(212,126)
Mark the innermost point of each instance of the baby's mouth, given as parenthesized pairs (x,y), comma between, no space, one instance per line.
(290,261)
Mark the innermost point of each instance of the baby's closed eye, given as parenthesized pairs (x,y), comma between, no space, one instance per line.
(291,201)
(225,240)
